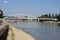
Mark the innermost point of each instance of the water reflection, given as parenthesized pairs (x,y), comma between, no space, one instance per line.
(58,24)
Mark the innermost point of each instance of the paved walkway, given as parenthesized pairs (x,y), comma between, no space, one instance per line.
(15,34)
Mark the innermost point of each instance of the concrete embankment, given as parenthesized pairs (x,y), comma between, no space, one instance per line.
(3,30)
(15,34)
(4,35)
(54,22)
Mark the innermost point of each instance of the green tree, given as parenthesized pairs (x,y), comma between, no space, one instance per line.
(1,13)
(43,16)
(58,17)
(53,15)
(49,15)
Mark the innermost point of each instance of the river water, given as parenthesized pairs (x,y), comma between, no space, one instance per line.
(39,31)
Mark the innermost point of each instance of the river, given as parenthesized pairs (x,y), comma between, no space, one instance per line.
(39,31)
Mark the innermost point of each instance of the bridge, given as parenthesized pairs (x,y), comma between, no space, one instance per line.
(29,18)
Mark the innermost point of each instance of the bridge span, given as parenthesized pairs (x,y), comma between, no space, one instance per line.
(29,18)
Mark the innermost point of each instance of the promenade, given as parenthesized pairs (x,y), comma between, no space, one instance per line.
(15,34)
(8,32)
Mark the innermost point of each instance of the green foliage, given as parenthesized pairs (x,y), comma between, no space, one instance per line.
(53,15)
(58,17)
(43,16)
(49,15)
(1,13)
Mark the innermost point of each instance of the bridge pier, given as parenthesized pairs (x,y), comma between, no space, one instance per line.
(38,20)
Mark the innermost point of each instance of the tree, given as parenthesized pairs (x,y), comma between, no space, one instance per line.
(52,15)
(58,17)
(49,15)
(1,13)
(43,16)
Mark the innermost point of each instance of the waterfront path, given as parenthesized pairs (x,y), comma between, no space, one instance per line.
(15,34)
(8,32)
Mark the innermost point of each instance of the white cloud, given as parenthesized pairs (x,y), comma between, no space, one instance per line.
(5,1)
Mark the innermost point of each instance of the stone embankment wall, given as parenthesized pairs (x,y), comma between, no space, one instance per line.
(4,33)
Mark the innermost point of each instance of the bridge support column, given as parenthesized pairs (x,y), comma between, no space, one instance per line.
(38,20)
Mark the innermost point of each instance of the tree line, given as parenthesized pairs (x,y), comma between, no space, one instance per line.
(57,16)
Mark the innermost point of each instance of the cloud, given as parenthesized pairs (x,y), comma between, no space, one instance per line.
(5,1)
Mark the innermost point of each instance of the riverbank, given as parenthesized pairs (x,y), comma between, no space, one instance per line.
(15,34)
(54,22)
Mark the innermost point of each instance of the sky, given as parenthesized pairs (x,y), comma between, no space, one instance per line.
(30,7)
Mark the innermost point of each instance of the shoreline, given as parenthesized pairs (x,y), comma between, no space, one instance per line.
(54,22)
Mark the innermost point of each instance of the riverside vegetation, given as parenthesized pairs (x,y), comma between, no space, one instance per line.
(57,16)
